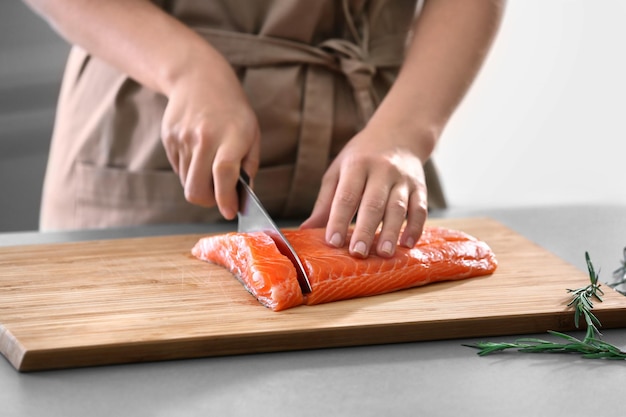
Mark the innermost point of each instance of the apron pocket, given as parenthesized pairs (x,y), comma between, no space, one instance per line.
(113,197)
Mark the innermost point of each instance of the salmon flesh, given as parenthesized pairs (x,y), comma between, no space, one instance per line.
(441,254)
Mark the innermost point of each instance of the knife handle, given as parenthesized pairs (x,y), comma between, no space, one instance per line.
(244,176)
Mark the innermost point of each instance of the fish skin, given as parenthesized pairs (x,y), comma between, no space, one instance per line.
(441,254)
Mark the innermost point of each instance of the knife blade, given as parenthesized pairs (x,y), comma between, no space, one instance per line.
(252,217)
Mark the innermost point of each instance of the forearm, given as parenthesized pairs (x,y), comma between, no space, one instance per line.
(134,36)
(450,41)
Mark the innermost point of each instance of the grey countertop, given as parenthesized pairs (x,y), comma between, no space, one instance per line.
(440,378)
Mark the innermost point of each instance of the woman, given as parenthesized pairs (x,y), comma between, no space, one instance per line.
(324,103)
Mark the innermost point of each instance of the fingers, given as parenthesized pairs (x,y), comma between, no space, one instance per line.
(250,162)
(208,165)
(198,180)
(389,206)
(345,202)
(395,212)
(191,159)
(178,152)
(416,217)
(389,201)
(371,211)
(226,169)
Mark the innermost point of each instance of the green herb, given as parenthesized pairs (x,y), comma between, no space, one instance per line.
(582,302)
(591,347)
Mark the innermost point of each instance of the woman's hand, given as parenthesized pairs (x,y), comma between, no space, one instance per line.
(380,175)
(209,131)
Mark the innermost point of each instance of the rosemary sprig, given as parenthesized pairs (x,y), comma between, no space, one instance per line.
(591,347)
(582,302)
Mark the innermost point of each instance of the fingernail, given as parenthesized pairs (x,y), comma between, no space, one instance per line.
(360,248)
(387,247)
(410,242)
(336,240)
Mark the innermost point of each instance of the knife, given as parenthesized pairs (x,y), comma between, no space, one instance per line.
(252,217)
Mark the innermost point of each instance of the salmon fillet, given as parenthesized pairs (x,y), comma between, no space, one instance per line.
(441,254)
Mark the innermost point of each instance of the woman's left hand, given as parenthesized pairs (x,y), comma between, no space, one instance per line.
(380,176)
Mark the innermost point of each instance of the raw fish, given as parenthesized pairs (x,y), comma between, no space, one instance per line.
(441,254)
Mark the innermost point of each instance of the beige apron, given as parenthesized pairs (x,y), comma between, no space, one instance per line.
(314,72)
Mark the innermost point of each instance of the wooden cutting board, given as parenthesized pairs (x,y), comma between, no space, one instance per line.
(146,299)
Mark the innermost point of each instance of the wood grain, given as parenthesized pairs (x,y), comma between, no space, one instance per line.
(147,299)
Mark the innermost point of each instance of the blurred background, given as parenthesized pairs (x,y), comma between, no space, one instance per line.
(542,125)
(544,122)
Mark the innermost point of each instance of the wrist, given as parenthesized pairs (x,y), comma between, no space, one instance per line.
(184,64)
(419,136)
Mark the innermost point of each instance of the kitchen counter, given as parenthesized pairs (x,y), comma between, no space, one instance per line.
(426,378)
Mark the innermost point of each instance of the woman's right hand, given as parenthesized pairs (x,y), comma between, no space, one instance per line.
(209,131)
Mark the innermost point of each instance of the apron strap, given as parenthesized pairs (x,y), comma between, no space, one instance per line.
(314,142)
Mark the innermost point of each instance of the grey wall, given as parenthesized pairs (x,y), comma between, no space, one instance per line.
(544,123)
(32,58)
